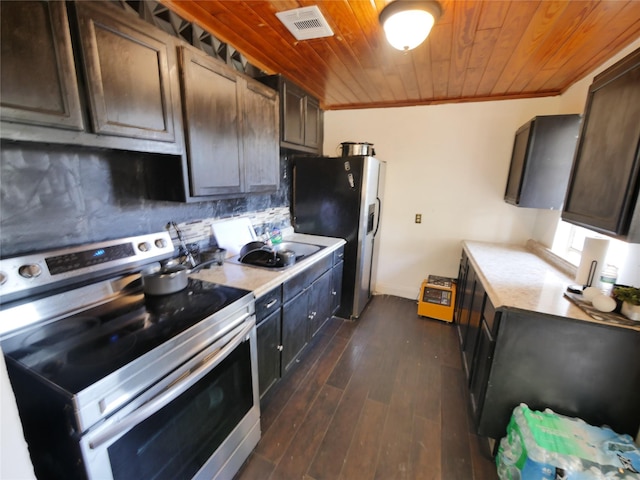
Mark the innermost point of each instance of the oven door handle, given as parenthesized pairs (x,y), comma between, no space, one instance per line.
(110,431)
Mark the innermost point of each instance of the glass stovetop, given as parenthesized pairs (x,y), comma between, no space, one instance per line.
(79,350)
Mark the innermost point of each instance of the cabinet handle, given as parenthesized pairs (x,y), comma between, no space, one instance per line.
(333,292)
(271,303)
(280,348)
(310,316)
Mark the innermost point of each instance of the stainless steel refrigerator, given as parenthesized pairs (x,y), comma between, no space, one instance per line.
(341,197)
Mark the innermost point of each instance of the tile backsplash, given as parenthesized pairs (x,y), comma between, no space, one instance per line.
(264,221)
(57,196)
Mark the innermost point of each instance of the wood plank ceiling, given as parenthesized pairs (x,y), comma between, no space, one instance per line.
(479,50)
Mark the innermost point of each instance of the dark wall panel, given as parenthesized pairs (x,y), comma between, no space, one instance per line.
(54,196)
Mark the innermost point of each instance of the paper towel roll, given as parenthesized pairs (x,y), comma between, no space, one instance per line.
(593,249)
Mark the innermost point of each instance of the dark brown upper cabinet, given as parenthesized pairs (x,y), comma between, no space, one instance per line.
(605,178)
(260,138)
(302,126)
(293,119)
(313,124)
(127,70)
(38,81)
(212,125)
(231,128)
(541,160)
(114,86)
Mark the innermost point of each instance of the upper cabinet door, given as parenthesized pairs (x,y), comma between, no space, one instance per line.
(541,161)
(260,138)
(604,183)
(212,123)
(313,124)
(293,113)
(301,119)
(38,80)
(127,69)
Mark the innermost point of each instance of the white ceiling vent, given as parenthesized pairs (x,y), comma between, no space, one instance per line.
(305,23)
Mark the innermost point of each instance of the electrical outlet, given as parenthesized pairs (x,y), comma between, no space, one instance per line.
(418,218)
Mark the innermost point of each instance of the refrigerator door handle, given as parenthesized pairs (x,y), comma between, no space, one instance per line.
(378,221)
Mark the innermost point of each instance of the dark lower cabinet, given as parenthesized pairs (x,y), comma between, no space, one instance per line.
(291,314)
(269,347)
(463,270)
(320,299)
(576,368)
(305,313)
(482,367)
(466,287)
(476,342)
(336,286)
(470,339)
(295,315)
(269,338)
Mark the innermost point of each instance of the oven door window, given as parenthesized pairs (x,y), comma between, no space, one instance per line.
(177,440)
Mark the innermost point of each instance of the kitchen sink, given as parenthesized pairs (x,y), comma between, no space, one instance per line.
(301,251)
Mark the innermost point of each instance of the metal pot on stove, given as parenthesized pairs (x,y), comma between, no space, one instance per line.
(169,278)
(165,280)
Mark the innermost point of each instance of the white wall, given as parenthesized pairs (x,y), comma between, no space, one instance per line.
(449,163)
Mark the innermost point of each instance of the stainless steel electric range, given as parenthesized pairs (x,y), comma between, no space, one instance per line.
(113,383)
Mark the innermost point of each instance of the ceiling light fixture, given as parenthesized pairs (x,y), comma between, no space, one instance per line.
(407,23)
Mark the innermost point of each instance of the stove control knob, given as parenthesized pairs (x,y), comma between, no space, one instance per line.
(161,243)
(30,270)
(144,247)
(3,278)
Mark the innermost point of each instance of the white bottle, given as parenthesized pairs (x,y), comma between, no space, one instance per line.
(608,278)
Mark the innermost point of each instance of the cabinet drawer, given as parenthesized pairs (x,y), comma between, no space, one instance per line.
(301,281)
(318,268)
(294,286)
(338,255)
(268,303)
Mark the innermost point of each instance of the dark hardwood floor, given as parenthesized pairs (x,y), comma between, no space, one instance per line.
(381,398)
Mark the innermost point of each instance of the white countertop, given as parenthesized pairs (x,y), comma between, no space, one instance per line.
(515,277)
(261,280)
